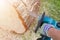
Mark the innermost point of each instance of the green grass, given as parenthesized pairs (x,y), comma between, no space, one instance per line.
(52,7)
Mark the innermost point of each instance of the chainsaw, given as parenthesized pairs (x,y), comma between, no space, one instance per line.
(46,19)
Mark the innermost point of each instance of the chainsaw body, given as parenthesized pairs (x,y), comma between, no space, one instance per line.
(49,20)
(46,19)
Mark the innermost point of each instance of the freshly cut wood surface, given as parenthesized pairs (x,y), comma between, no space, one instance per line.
(15,19)
(9,19)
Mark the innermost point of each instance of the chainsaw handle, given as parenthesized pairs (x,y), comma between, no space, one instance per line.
(43,37)
(58,24)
